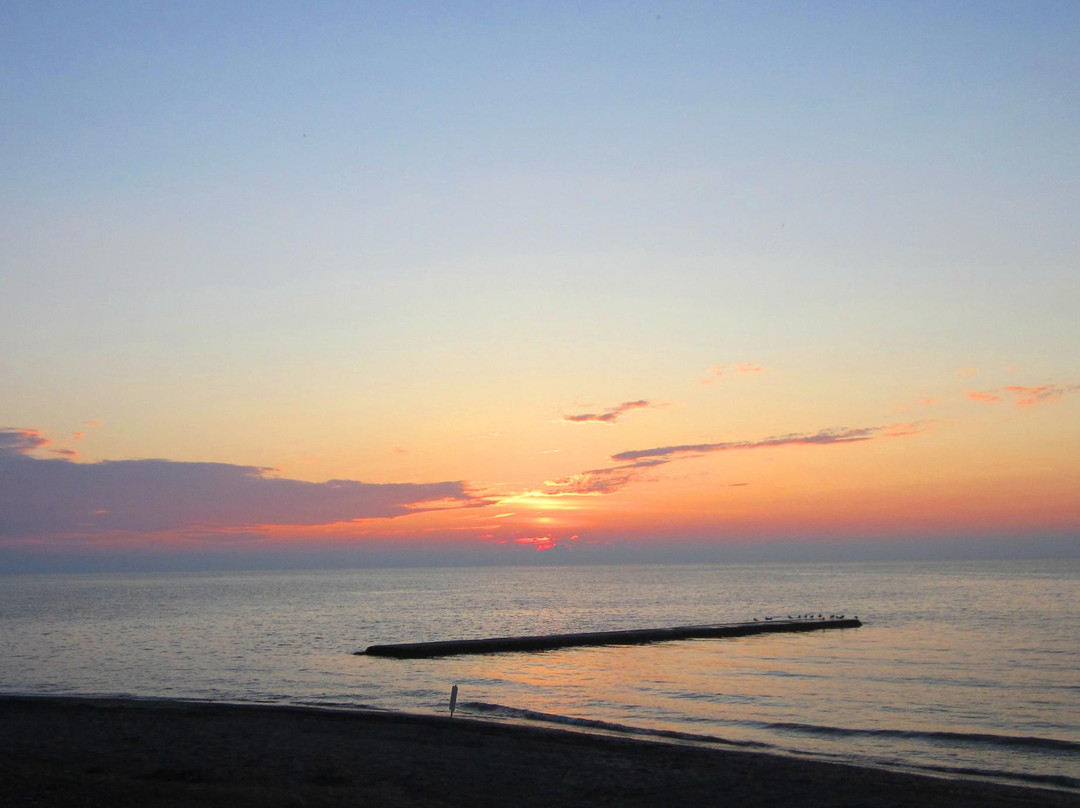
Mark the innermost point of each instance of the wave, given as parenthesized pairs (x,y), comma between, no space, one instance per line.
(1048,780)
(968,738)
(1015,742)
(518,713)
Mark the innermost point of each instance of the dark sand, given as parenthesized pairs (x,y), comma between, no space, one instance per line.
(66,752)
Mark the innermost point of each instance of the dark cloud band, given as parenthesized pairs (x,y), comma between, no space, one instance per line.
(823,438)
(55,496)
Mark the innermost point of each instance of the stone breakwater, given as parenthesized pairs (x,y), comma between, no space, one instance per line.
(546,642)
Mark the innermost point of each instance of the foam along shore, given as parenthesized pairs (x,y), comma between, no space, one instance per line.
(547,642)
(80,751)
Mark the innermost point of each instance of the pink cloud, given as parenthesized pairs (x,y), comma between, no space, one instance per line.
(1030,396)
(538,543)
(746,369)
(611,415)
(541,543)
(716,372)
(1025,396)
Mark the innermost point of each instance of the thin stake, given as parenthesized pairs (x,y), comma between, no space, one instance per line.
(453,700)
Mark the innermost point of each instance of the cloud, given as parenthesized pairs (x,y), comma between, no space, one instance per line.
(600,481)
(609,416)
(540,543)
(823,438)
(43,497)
(717,372)
(1025,396)
(20,441)
(1030,396)
(635,464)
(746,369)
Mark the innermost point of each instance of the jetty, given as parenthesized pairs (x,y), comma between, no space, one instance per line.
(634,636)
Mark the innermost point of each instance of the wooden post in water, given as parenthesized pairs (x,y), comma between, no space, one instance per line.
(453,700)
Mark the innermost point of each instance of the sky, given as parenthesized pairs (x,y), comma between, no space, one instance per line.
(343,283)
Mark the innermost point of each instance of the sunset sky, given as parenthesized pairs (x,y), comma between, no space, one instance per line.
(306,283)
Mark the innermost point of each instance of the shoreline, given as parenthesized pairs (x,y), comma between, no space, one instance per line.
(70,750)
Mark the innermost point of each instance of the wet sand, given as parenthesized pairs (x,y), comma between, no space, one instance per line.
(98,752)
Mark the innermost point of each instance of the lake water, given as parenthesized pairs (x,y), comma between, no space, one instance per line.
(961,668)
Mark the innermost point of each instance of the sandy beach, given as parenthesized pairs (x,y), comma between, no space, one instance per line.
(77,751)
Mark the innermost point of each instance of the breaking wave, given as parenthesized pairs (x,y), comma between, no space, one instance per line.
(516,713)
(1019,743)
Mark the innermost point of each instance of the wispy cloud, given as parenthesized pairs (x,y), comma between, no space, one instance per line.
(611,415)
(714,374)
(1029,396)
(540,543)
(635,465)
(825,437)
(42,497)
(600,481)
(1025,396)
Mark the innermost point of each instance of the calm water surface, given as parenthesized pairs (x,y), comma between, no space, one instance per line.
(960,667)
